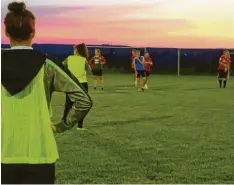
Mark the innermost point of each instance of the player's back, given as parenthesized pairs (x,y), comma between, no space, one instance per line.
(76,64)
(26,133)
(138,64)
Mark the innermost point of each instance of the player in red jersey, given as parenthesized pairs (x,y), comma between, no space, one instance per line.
(223,69)
(97,62)
(132,64)
(147,64)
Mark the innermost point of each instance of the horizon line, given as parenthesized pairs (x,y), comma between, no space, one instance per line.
(122,46)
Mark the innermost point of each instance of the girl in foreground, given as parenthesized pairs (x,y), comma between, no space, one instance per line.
(97,62)
(78,66)
(147,65)
(29,78)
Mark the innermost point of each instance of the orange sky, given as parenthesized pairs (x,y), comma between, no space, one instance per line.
(152,23)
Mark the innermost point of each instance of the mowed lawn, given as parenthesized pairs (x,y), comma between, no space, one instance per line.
(181,130)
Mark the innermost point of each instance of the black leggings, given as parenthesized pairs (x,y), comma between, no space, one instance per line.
(69,103)
(27,173)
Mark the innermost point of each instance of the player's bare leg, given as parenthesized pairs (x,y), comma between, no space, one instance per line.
(143,83)
(146,80)
(135,78)
(101,82)
(95,80)
(138,84)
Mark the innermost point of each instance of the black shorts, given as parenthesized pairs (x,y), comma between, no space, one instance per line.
(140,74)
(147,73)
(222,73)
(28,173)
(97,72)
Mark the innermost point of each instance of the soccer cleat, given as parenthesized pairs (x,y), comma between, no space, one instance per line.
(142,89)
(94,88)
(146,86)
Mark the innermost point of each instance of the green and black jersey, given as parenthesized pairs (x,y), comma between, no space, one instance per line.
(97,63)
(29,78)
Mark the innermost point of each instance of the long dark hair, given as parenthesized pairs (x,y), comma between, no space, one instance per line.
(82,50)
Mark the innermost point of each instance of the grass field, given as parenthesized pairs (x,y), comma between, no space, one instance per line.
(181,130)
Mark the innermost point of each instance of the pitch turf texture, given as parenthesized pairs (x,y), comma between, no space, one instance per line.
(181,130)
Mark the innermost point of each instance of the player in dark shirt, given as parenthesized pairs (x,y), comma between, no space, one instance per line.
(97,62)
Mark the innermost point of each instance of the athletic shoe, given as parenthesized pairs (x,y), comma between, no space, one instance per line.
(146,86)
(95,88)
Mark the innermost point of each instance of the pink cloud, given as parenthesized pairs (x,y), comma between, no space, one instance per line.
(171,42)
(105,24)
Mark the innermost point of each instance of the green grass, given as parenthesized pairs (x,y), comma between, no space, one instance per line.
(181,130)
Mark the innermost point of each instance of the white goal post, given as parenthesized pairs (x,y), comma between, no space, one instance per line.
(178,62)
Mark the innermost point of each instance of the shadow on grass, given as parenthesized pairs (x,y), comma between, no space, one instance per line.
(162,88)
(199,89)
(112,91)
(118,91)
(130,121)
(124,86)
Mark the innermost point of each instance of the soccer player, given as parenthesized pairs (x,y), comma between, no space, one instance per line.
(132,64)
(223,69)
(147,65)
(29,78)
(139,67)
(78,66)
(97,62)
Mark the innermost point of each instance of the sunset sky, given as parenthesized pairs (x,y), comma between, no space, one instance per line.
(152,23)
